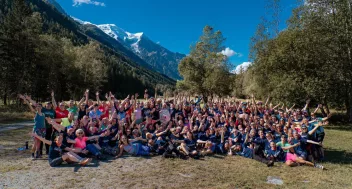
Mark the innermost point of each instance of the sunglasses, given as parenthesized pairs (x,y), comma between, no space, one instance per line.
(80,133)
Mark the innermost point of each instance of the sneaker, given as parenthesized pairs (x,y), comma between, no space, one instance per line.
(32,156)
(85,161)
(270,163)
(319,166)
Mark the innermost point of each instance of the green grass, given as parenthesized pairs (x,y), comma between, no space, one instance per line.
(212,172)
(14,113)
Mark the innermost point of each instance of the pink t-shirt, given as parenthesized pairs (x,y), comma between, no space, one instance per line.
(81,143)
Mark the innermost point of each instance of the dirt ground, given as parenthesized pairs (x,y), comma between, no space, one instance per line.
(17,170)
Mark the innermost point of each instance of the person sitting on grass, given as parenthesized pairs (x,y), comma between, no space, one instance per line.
(135,149)
(275,153)
(80,140)
(293,160)
(104,143)
(59,153)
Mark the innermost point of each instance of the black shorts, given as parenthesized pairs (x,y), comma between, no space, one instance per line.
(55,162)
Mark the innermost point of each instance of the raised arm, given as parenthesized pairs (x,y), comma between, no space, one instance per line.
(306,106)
(34,103)
(97,96)
(81,101)
(266,102)
(53,99)
(315,128)
(255,105)
(56,126)
(29,105)
(87,95)
(313,142)
(316,109)
(95,137)
(292,107)
(276,106)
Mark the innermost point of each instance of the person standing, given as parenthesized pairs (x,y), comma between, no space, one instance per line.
(48,112)
(39,125)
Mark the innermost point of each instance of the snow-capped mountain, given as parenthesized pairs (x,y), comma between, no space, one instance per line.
(129,39)
(160,58)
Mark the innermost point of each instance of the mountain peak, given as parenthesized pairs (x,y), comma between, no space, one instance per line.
(153,53)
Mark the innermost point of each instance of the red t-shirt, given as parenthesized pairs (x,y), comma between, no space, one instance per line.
(61,114)
(105,109)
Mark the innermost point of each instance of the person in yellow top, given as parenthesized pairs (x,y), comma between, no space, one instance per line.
(66,122)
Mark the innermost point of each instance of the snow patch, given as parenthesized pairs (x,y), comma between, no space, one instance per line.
(152,53)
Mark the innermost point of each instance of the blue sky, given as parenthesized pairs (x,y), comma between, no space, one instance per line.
(177,24)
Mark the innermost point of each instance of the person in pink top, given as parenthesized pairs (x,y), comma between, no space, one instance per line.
(81,143)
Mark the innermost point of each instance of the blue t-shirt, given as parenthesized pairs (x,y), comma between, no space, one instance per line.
(95,115)
(302,148)
(190,143)
(320,129)
(247,152)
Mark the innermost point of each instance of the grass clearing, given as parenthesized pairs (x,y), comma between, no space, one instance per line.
(211,172)
(14,113)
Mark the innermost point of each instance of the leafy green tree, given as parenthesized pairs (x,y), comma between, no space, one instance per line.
(206,71)
(310,59)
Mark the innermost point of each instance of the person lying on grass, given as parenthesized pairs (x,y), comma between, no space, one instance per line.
(135,149)
(59,153)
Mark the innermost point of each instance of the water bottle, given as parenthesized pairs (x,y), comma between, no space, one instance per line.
(26,145)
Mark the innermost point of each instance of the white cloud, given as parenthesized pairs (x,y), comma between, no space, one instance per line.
(229,52)
(92,2)
(244,66)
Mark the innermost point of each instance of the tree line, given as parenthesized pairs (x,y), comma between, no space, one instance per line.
(310,59)
(43,50)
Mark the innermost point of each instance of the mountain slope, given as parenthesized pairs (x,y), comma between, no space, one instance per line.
(157,56)
(127,74)
(57,6)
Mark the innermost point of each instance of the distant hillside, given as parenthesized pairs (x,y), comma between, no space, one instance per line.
(128,74)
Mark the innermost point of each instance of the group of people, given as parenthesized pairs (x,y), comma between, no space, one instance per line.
(176,128)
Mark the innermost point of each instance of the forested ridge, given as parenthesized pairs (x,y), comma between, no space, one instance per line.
(42,49)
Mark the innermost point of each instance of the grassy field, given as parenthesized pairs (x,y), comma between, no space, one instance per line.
(13,113)
(18,171)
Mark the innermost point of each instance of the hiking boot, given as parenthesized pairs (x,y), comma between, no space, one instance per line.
(85,161)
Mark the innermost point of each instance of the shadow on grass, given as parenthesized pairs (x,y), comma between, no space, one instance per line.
(337,156)
(218,156)
(76,166)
